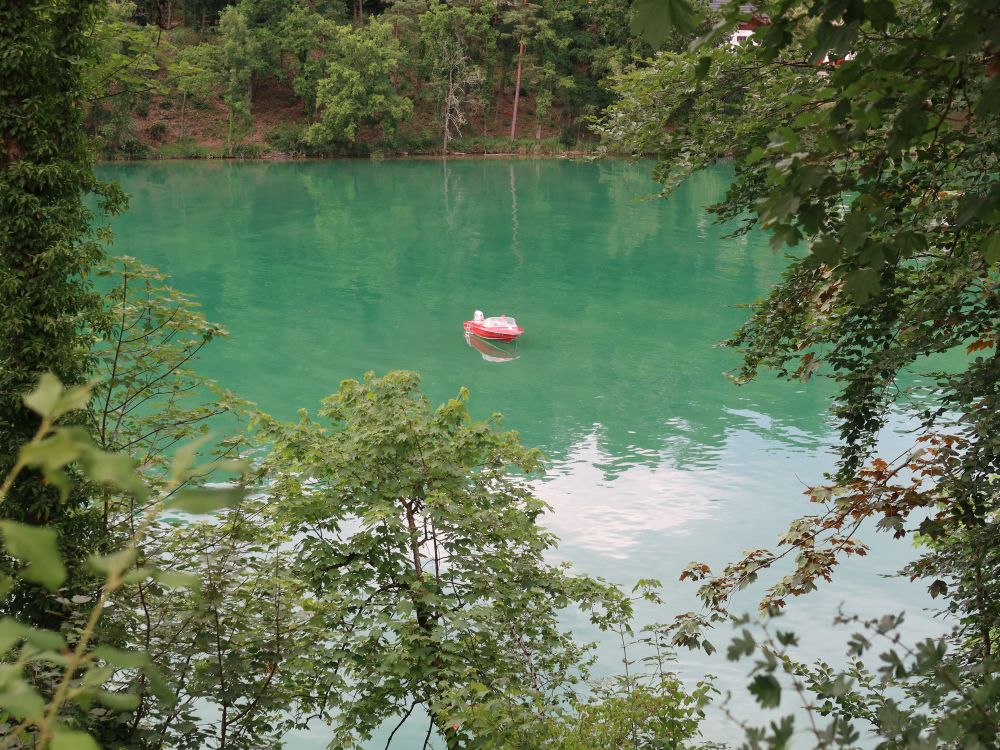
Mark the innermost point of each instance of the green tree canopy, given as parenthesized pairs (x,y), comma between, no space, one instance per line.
(358,88)
(426,568)
(449,35)
(235,60)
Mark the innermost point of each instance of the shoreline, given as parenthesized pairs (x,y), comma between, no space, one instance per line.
(248,152)
(400,156)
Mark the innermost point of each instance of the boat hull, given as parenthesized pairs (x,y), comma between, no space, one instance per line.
(492,334)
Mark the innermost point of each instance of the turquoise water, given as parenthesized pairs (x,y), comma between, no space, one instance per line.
(323,270)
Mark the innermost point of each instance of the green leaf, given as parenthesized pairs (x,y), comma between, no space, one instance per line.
(158,685)
(59,480)
(862,284)
(184,459)
(62,447)
(909,243)
(655,20)
(46,640)
(137,576)
(704,64)
(71,739)
(756,154)
(172,579)
(780,205)
(766,689)
(972,206)
(38,547)
(44,398)
(96,676)
(233,466)
(115,469)
(205,499)
(741,646)
(881,13)
(114,563)
(122,702)
(855,230)
(21,700)
(74,399)
(11,631)
(989,101)
(787,638)
(119,658)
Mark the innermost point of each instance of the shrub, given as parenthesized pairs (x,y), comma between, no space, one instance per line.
(156,131)
(286,137)
(248,151)
(142,105)
(184,36)
(185,149)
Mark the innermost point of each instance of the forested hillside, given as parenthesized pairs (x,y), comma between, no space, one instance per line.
(322,77)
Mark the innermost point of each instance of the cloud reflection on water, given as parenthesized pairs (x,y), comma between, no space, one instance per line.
(646,498)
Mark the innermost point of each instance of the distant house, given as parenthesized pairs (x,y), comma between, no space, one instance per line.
(745,29)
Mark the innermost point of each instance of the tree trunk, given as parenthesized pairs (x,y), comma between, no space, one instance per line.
(427,620)
(517,90)
(447,111)
(184,99)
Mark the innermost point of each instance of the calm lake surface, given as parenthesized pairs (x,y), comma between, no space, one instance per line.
(323,270)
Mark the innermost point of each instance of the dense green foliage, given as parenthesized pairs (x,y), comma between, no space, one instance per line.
(47,248)
(511,69)
(46,244)
(357,89)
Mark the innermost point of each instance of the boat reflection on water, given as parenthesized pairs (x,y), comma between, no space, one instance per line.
(493,351)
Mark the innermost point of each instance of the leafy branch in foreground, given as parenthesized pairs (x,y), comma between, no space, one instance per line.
(922,696)
(86,670)
(221,642)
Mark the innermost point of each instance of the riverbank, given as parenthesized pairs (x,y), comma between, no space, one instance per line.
(462,147)
(473,147)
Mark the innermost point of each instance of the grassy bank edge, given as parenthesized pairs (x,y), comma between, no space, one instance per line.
(460,147)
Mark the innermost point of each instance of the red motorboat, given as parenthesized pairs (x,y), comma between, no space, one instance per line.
(501,328)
